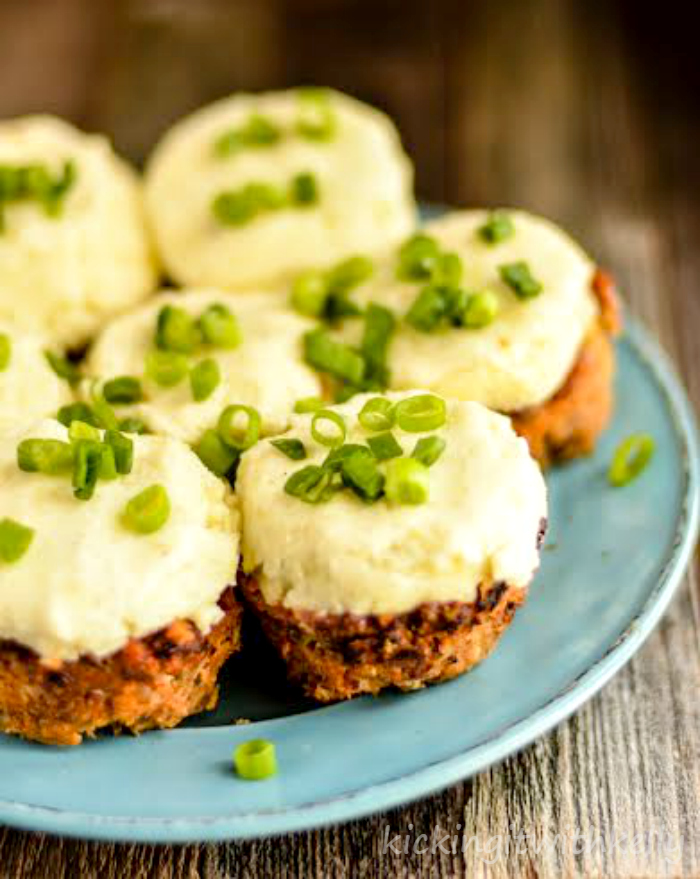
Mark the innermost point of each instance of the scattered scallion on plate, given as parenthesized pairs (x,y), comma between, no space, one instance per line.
(15,540)
(255,760)
(631,457)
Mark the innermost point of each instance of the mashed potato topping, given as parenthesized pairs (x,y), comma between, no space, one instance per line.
(64,274)
(29,388)
(523,357)
(480,524)
(266,370)
(364,179)
(86,585)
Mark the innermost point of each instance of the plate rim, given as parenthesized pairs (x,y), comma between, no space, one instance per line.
(429,779)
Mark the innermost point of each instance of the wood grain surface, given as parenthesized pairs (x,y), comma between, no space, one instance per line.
(587,112)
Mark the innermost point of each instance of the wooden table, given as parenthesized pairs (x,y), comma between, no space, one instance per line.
(583,112)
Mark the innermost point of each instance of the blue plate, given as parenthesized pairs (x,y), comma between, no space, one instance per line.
(613,560)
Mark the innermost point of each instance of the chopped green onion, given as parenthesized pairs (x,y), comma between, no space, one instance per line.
(147,511)
(258,131)
(447,270)
(239,206)
(123,449)
(421,413)
(239,438)
(384,446)
(87,462)
(334,438)
(123,390)
(308,404)
(133,425)
(428,449)
(417,258)
(407,481)
(518,277)
(63,367)
(255,760)
(48,456)
(104,413)
(292,448)
(479,310)
(316,119)
(374,347)
(327,355)
(219,327)
(428,309)
(360,472)
(334,459)
(108,463)
(377,414)
(77,412)
(176,331)
(5,351)
(630,458)
(350,273)
(498,227)
(15,540)
(215,454)
(312,484)
(204,379)
(304,190)
(166,368)
(83,430)
(309,293)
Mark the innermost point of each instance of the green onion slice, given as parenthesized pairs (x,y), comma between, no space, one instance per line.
(479,310)
(518,277)
(407,481)
(304,190)
(15,540)
(219,327)
(133,425)
(204,379)
(87,463)
(5,351)
(428,449)
(309,293)
(312,484)
(417,258)
(292,448)
(360,472)
(316,119)
(336,435)
(334,459)
(77,412)
(421,413)
(123,390)
(148,511)
(176,331)
(63,367)
(123,450)
(630,459)
(498,227)
(308,404)
(324,353)
(236,436)
(428,308)
(384,446)
(255,760)
(377,414)
(166,368)
(48,456)
(350,273)
(379,328)
(215,454)
(83,430)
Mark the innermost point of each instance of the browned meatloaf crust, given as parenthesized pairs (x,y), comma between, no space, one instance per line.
(338,656)
(152,682)
(568,425)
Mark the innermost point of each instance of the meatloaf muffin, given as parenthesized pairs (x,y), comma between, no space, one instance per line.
(73,242)
(253,341)
(117,560)
(29,387)
(505,309)
(389,561)
(256,187)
